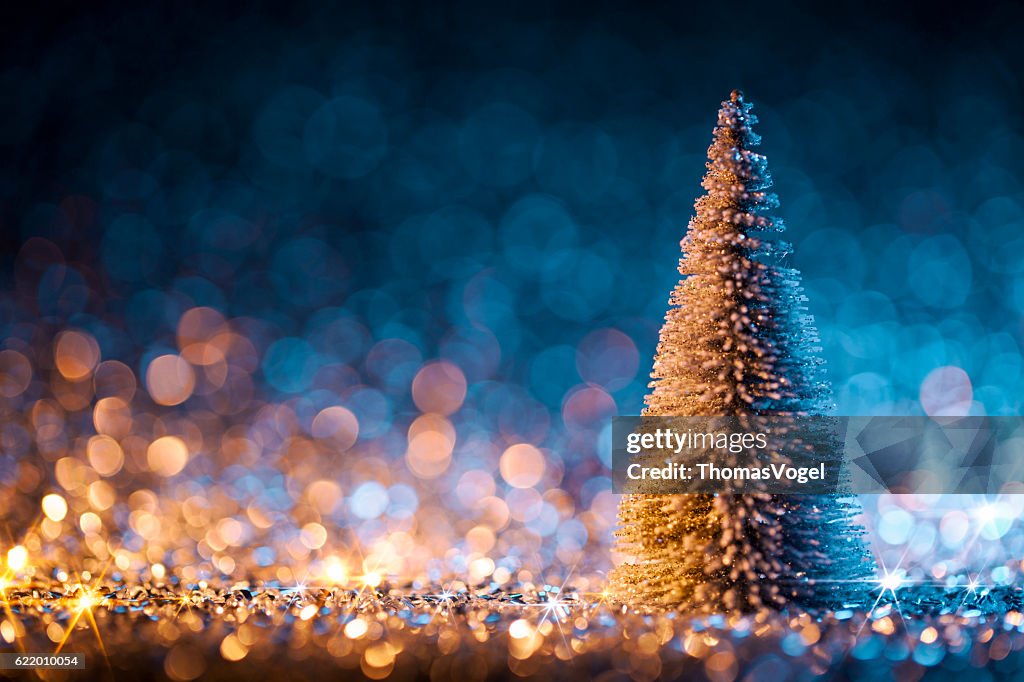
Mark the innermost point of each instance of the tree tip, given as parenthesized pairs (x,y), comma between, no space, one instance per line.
(736,96)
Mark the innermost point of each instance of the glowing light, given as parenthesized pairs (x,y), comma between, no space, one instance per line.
(313,535)
(973,583)
(355,629)
(112,417)
(481,568)
(105,454)
(371,579)
(101,495)
(380,655)
(86,602)
(369,500)
(232,648)
(170,380)
(17,558)
(429,455)
(885,626)
(335,570)
(55,507)
(522,466)
(891,582)
(986,513)
(167,455)
(90,522)
(520,629)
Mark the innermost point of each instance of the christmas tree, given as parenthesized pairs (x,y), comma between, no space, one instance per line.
(738,342)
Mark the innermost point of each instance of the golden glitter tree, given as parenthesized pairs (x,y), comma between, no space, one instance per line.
(737,341)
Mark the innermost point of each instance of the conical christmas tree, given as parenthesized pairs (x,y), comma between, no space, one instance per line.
(737,341)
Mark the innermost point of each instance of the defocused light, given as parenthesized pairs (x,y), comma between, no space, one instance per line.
(372,579)
(335,570)
(167,455)
(338,425)
(199,324)
(522,465)
(520,629)
(356,628)
(114,379)
(324,495)
(112,417)
(429,454)
(170,380)
(90,522)
(313,535)
(17,558)
(607,357)
(76,354)
(986,512)
(232,649)
(105,455)
(891,581)
(15,373)
(86,602)
(439,387)
(369,500)
(55,507)
(895,526)
(946,391)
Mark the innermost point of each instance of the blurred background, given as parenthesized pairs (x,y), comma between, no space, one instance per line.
(354,292)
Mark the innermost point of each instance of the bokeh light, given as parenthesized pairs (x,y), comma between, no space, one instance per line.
(55,507)
(439,387)
(75,355)
(167,455)
(522,465)
(170,380)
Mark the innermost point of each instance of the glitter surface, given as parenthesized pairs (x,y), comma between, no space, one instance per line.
(434,632)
